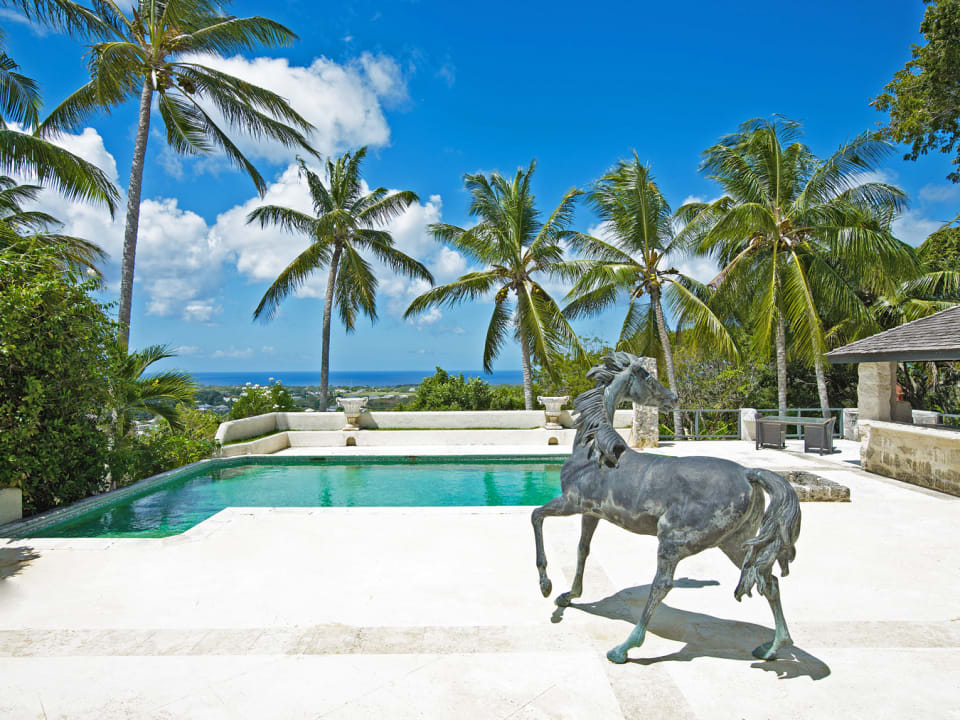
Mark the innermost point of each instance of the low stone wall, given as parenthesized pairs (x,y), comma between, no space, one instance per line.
(915,454)
(234,431)
(401,438)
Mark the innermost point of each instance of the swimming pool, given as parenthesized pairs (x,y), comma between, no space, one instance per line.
(176,502)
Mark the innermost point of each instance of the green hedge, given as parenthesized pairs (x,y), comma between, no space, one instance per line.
(54,360)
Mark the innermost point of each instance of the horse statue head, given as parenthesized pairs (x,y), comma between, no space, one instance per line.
(619,376)
(624,378)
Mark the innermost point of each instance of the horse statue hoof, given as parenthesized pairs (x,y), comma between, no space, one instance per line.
(546,587)
(617,655)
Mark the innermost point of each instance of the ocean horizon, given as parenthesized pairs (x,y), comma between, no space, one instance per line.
(346,378)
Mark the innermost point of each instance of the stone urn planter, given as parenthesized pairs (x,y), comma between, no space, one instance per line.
(552,409)
(352,408)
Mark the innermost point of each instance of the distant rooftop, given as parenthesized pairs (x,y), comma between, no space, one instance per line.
(935,337)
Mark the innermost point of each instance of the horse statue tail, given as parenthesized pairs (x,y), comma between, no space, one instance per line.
(777,537)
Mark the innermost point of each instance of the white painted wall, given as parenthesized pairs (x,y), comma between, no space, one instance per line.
(237,430)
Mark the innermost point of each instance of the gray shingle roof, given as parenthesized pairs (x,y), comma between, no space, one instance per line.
(935,337)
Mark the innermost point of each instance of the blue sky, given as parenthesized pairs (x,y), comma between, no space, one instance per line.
(437,89)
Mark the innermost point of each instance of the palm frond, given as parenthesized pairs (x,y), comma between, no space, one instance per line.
(71,175)
(292,277)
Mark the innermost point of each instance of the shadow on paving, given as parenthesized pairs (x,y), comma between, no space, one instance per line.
(704,635)
(14,559)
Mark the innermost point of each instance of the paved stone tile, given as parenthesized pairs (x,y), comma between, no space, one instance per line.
(336,612)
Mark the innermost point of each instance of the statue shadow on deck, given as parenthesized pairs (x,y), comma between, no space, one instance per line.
(704,635)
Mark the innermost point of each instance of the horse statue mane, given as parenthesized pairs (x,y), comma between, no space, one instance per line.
(595,407)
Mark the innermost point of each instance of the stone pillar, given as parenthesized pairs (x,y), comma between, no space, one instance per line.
(645,432)
(748,424)
(850,418)
(877,391)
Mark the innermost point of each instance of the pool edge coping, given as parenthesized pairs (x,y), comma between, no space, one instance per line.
(19,530)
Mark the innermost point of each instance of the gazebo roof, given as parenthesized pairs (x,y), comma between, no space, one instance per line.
(935,337)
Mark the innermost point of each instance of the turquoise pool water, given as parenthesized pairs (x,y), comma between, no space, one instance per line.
(181,503)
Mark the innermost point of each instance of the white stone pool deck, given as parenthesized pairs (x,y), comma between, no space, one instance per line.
(436,613)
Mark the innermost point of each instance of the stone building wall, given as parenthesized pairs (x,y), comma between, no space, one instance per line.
(919,455)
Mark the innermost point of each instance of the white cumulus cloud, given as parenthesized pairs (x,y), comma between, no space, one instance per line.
(342,101)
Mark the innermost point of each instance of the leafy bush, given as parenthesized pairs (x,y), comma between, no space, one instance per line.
(443,391)
(55,345)
(164,448)
(508,397)
(260,399)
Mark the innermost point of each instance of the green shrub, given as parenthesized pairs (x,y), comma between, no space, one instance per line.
(508,397)
(54,365)
(259,399)
(443,391)
(163,448)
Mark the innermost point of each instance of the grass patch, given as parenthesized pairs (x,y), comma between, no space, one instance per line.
(255,437)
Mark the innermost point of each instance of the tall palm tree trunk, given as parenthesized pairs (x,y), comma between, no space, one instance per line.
(781,344)
(822,385)
(527,374)
(327,311)
(667,358)
(133,211)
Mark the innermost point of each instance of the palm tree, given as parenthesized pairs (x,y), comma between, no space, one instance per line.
(24,154)
(514,245)
(345,222)
(147,50)
(24,230)
(158,394)
(790,232)
(132,392)
(936,289)
(640,225)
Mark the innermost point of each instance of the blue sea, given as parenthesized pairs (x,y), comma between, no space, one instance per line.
(347,378)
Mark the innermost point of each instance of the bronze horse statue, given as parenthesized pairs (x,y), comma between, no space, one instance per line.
(689,503)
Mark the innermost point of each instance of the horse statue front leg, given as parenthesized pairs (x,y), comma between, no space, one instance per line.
(587,526)
(557,507)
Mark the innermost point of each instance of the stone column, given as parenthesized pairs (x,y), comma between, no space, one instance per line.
(645,432)
(850,418)
(877,391)
(748,424)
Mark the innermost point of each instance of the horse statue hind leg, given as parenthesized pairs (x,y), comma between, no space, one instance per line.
(690,504)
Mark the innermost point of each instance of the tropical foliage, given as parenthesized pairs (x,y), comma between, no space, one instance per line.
(798,239)
(259,399)
(923,98)
(156,48)
(346,224)
(163,448)
(27,155)
(445,391)
(514,245)
(159,394)
(55,357)
(630,263)
(23,231)
(569,371)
